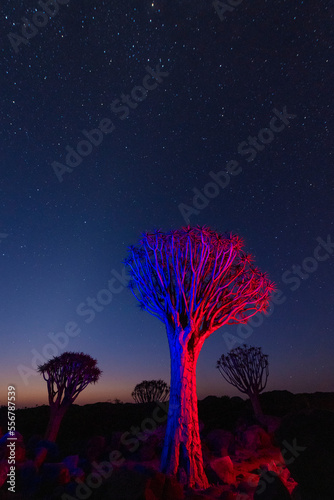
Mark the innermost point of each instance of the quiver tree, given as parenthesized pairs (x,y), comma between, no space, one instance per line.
(66,376)
(246,368)
(149,391)
(194,280)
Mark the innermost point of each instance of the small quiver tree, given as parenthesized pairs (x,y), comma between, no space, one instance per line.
(246,368)
(194,280)
(66,376)
(149,391)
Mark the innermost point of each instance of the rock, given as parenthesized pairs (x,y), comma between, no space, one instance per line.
(220,442)
(221,470)
(255,438)
(214,491)
(228,495)
(55,474)
(173,490)
(17,445)
(270,487)
(154,487)
(307,445)
(245,487)
(18,437)
(197,496)
(211,493)
(139,482)
(71,462)
(243,496)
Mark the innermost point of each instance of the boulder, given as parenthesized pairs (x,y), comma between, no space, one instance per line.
(221,470)
(245,489)
(255,438)
(196,496)
(229,495)
(7,439)
(211,493)
(154,487)
(71,462)
(214,491)
(270,487)
(162,487)
(137,482)
(55,474)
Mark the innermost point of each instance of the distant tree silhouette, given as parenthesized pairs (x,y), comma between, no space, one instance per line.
(194,280)
(149,391)
(246,368)
(66,375)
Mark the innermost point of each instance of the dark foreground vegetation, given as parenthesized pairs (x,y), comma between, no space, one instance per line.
(112,451)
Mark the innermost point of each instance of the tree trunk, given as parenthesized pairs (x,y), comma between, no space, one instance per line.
(56,416)
(182,452)
(254,398)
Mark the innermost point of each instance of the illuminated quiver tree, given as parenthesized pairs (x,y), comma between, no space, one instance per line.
(149,391)
(194,280)
(246,368)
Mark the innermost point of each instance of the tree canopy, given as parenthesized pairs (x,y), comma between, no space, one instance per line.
(67,375)
(246,368)
(196,278)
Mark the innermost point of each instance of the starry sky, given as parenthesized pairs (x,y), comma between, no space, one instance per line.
(172,95)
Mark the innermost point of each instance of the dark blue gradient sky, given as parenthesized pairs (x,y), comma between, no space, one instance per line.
(224,84)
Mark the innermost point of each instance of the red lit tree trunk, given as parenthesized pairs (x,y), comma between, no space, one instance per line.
(56,417)
(182,453)
(254,399)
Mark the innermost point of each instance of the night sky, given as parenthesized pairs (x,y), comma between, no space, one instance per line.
(246,88)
